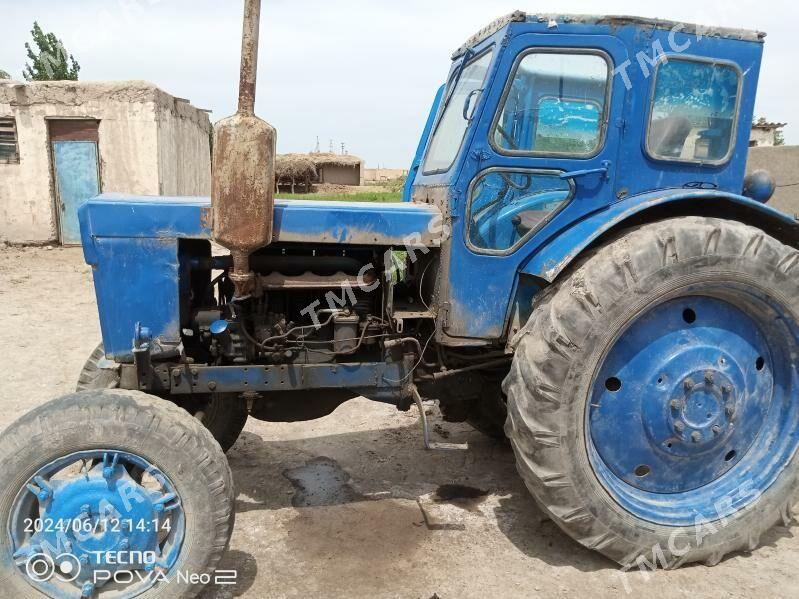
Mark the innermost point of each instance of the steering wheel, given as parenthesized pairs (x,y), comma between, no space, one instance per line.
(517,186)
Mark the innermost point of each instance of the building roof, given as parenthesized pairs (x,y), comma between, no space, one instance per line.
(92,95)
(551,20)
(22,93)
(326,159)
(294,165)
(768,126)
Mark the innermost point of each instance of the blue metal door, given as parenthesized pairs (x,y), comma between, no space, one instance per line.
(495,239)
(77,180)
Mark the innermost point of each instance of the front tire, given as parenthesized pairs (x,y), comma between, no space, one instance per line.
(94,374)
(653,400)
(119,455)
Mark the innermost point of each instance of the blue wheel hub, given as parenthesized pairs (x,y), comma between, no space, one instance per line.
(96,520)
(688,398)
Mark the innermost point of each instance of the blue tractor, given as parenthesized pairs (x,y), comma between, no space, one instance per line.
(579,264)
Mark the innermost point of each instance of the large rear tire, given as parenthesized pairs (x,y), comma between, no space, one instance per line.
(100,473)
(653,404)
(224,414)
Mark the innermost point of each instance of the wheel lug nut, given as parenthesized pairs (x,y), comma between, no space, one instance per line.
(716,429)
(709,377)
(729,411)
(726,389)
(679,426)
(688,384)
(675,404)
(696,436)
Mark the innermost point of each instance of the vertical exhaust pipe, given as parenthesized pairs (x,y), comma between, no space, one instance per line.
(243,177)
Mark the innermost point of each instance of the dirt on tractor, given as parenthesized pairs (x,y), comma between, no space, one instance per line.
(351,505)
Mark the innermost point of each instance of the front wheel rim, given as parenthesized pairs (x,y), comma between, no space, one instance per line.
(693,410)
(97,523)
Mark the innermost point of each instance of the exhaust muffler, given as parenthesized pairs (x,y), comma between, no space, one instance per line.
(243,177)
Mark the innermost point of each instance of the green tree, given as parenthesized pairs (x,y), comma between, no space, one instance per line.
(51,63)
(4,74)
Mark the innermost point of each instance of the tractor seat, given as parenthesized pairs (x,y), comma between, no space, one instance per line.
(667,135)
(527,220)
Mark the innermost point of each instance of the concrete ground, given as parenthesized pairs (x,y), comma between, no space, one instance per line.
(329,508)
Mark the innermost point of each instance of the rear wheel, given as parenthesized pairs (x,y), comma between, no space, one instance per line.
(654,399)
(111,493)
(224,414)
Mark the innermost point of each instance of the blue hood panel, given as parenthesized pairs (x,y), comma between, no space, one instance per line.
(304,221)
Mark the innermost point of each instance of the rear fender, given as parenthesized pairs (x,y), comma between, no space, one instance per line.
(563,249)
(566,246)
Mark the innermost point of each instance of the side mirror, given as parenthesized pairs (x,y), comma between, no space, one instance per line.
(469,106)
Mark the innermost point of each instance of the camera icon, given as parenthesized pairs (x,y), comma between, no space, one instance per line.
(40,567)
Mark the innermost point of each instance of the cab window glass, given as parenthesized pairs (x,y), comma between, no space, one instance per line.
(447,139)
(693,111)
(567,126)
(508,205)
(554,105)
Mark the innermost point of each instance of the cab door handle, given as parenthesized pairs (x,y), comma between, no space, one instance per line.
(604,171)
(467,104)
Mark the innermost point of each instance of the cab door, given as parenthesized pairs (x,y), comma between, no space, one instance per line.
(542,155)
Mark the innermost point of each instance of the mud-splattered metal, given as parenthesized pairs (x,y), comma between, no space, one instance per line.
(243,178)
(696,396)
(94,517)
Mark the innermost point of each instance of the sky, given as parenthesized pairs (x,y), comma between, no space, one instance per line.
(357,72)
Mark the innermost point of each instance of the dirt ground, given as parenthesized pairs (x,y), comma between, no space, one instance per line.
(329,508)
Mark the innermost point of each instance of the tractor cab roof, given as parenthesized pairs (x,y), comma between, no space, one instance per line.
(551,22)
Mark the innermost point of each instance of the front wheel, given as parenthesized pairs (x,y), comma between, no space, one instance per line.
(111,494)
(654,397)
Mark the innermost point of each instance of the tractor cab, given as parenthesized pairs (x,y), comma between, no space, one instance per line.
(547,121)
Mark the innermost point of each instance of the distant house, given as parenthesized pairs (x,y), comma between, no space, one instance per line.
(338,169)
(765,134)
(62,142)
(381,175)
